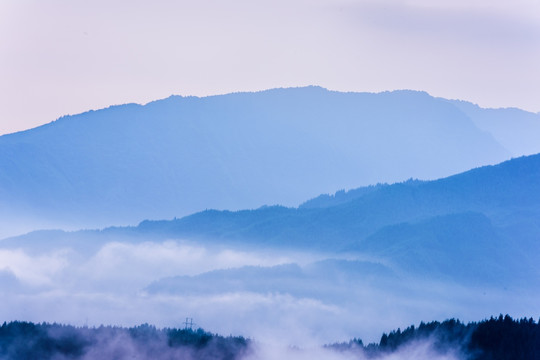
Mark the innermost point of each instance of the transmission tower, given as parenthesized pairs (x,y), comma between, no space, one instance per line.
(188,324)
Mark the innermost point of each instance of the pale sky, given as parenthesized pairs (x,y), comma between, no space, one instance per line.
(61,57)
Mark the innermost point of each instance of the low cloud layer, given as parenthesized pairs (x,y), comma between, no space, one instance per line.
(417,350)
(33,270)
(328,301)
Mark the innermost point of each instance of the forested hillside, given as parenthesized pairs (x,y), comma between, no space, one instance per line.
(476,227)
(499,338)
(29,341)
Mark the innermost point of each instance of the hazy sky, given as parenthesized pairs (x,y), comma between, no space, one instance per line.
(62,57)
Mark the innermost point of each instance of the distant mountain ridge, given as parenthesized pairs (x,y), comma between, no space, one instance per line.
(180,155)
(496,191)
(480,226)
(515,129)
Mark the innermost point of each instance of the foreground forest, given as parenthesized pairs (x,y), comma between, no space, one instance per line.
(26,340)
(493,339)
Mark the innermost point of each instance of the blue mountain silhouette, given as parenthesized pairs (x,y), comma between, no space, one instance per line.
(180,155)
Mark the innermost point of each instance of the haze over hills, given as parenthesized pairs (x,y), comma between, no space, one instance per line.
(515,129)
(475,227)
(480,225)
(180,155)
(465,245)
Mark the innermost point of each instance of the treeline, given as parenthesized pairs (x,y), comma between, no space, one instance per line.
(25,340)
(500,338)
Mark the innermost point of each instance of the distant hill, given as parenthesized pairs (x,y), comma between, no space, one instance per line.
(311,281)
(480,226)
(517,130)
(180,155)
(507,193)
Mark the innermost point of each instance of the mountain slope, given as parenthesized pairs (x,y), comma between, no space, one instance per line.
(507,193)
(477,226)
(180,155)
(517,130)
(481,225)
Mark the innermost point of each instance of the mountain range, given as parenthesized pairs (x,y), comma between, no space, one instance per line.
(477,227)
(180,155)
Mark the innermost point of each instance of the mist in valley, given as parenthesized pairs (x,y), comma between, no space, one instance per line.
(303,299)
